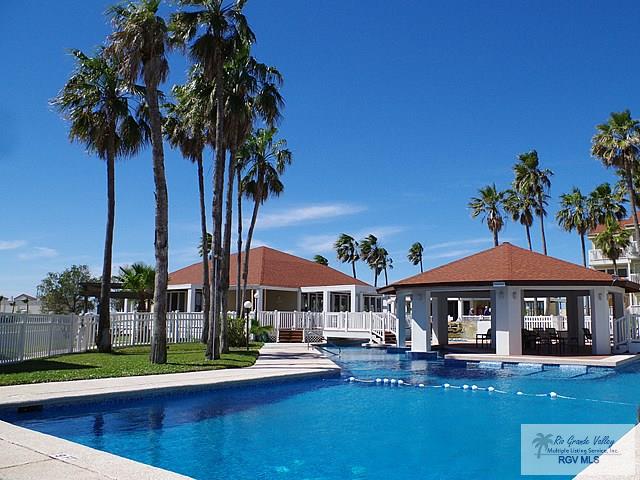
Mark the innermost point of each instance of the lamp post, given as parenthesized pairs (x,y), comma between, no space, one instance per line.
(248,305)
(26,302)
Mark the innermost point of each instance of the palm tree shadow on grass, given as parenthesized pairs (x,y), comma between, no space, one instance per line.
(43,365)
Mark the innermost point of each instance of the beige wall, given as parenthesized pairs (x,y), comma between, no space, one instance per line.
(281,300)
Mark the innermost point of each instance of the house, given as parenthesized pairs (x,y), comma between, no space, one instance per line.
(279,281)
(22,303)
(628,263)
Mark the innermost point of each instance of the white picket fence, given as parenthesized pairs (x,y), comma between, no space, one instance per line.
(26,336)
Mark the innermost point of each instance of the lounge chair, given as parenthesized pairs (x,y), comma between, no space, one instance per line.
(481,338)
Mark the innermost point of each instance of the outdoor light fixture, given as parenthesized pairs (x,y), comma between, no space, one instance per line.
(248,305)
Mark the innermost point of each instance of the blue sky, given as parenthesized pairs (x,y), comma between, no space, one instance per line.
(396,112)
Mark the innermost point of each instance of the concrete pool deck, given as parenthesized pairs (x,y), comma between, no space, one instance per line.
(26,454)
(610,467)
(606,361)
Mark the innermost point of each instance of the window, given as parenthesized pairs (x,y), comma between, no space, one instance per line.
(372,303)
(312,302)
(340,302)
(177,301)
(199,301)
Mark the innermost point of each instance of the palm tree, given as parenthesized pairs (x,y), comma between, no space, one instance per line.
(415,255)
(137,46)
(185,129)
(613,241)
(139,279)
(266,159)
(321,260)
(97,103)
(605,204)
(369,255)
(383,262)
(489,205)
(348,250)
(574,214)
(251,94)
(616,144)
(521,208)
(542,441)
(533,182)
(215,30)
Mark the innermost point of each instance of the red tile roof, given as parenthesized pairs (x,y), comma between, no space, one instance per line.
(627,222)
(272,268)
(506,263)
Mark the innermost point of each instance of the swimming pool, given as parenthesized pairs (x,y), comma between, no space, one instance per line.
(336,429)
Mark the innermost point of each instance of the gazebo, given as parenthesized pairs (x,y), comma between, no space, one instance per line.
(506,275)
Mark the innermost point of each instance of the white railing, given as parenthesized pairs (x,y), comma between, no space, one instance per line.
(626,329)
(596,255)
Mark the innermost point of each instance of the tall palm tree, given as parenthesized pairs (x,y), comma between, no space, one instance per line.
(383,262)
(521,207)
(138,46)
(415,255)
(185,129)
(606,205)
(348,250)
(214,30)
(98,105)
(574,214)
(267,159)
(613,240)
(617,145)
(489,205)
(531,180)
(369,254)
(139,279)
(251,94)
(319,259)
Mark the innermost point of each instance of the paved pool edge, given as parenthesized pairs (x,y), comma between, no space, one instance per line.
(610,467)
(276,362)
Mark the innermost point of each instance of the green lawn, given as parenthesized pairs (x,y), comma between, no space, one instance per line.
(184,357)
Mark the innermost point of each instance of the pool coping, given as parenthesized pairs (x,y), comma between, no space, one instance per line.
(27,454)
(277,361)
(610,467)
(612,361)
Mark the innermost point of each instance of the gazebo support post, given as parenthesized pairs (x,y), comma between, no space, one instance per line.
(401,312)
(574,325)
(439,319)
(492,296)
(508,320)
(420,323)
(600,321)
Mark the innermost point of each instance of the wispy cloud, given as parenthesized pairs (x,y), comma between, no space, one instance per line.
(306,214)
(11,244)
(449,254)
(37,253)
(324,243)
(459,243)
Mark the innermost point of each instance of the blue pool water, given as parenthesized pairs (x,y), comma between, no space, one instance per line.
(335,429)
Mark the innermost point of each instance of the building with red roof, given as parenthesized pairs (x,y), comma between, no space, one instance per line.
(505,275)
(279,281)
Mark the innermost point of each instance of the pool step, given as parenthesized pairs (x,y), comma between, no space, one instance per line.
(290,336)
(389,338)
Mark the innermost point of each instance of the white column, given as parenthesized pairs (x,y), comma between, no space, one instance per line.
(299,301)
(354,299)
(401,316)
(420,324)
(508,320)
(191,299)
(460,308)
(439,319)
(600,321)
(259,299)
(492,296)
(574,327)
(326,297)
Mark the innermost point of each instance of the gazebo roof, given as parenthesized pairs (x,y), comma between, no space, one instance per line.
(511,265)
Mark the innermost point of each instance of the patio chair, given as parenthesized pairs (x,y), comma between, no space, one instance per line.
(481,338)
(588,338)
(543,339)
(528,339)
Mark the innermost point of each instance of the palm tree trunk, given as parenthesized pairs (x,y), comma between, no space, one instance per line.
(103,337)
(245,267)
(495,238)
(158,352)
(615,266)
(528,229)
(206,312)
(213,345)
(584,250)
(226,253)
(375,277)
(239,299)
(632,197)
(386,278)
(421,269)
(353,267)
(544,238)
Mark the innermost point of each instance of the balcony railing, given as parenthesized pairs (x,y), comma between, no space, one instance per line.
(596,255)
